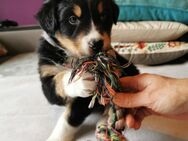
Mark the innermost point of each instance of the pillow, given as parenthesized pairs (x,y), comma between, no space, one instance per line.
(149,31)
(3,51)
(153,10)
(151,53)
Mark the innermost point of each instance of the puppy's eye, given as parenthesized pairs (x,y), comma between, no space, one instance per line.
(73,20)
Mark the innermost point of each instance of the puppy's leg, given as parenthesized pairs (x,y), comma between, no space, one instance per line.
(70,121)
(63,131)
(56,86)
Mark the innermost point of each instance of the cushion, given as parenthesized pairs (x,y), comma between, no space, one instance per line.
(147,31)
(151,53)
(155,10)
(3,51)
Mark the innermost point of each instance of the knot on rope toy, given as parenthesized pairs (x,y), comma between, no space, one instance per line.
(106,71)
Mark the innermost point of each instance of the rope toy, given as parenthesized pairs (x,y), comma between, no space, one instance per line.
(106,71)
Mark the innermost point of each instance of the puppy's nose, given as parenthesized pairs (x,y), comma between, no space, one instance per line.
(96,45)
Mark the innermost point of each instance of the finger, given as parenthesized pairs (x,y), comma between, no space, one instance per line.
(119,125)
(132,122)
(129,121)
(128,82)
(137,125)
(132,82)
(129,100)
(139,117)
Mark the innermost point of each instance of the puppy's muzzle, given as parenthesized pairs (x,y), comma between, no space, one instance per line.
(96,45)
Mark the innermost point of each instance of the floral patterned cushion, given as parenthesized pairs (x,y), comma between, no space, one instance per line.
(151,53)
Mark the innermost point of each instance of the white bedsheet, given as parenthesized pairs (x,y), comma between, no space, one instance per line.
(25,115)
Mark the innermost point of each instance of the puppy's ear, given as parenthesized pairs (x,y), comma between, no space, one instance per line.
(115,11)
(47,18)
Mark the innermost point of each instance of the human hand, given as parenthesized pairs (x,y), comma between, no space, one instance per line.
(153,94)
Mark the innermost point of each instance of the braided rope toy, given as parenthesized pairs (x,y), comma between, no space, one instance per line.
(106,71)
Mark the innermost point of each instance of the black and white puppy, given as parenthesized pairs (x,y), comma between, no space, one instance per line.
(73,28)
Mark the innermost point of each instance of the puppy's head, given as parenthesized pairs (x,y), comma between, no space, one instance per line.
(83,27)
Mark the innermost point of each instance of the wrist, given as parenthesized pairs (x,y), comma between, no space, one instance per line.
(182,91)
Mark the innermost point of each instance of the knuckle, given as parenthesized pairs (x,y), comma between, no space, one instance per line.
(144,75)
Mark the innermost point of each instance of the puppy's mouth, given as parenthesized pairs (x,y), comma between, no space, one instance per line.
(95,46)
(82,46)
(99,45)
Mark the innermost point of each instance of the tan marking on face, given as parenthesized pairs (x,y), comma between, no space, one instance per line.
(58,84)
(107,40)
(73,46)
(49,70)
(77,10)
(100,7)
(69,44)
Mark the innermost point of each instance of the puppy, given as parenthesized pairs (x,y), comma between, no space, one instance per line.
(72,29)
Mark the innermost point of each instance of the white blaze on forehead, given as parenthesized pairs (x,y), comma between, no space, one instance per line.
(92,35)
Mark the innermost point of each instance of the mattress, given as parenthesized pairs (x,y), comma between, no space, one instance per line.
(25,114)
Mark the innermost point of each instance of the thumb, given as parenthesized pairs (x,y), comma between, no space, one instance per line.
(129,100)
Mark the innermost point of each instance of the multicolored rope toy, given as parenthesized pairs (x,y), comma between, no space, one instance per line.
(106,71)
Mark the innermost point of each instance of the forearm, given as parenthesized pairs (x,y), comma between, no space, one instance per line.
(182,90)
(183,85)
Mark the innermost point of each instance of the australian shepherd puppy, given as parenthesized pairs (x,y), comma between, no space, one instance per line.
(72,29)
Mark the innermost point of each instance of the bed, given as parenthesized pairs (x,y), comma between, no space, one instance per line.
(25,114)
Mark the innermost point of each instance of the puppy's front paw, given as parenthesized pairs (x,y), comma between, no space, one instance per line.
(81,86)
